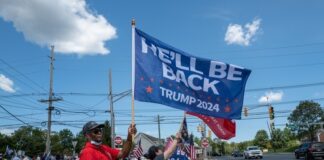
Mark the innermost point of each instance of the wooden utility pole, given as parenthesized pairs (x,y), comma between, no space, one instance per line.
(50,106)
(50,101)
(158,119)
(112,114)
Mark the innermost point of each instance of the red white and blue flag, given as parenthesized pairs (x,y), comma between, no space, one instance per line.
(138,150)
(166,75)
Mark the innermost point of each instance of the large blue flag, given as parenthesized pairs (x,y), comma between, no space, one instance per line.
(169,76)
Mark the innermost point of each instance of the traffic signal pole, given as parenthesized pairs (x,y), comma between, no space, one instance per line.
(271,116)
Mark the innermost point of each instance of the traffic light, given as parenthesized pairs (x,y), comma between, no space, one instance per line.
(199,128)
(209,133)
(245,111)
(271,113)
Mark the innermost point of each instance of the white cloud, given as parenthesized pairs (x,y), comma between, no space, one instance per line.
(237,34)
(67,24)
(6,84)
(271,97)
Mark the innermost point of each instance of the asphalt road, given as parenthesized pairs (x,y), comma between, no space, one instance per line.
(269,156)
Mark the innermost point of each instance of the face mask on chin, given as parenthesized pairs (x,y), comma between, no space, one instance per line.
(95,142)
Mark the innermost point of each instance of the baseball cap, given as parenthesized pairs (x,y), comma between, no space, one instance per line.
(90,126)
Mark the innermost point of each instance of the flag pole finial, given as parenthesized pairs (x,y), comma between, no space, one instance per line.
(133,22)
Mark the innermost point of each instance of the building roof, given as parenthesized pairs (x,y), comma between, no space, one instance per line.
(153,140)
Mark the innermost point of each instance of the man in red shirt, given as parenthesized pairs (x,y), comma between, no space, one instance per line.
(95,150)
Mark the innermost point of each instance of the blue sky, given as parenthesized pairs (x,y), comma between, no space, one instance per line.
(280,41)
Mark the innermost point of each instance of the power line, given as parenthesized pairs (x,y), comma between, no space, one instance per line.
(255,106)
(127,92)
(278,55)
(273,48)
(22,74)
(285,87)
(288,66)
(13,115)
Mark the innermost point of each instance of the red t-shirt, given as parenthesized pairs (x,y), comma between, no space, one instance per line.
(98,152)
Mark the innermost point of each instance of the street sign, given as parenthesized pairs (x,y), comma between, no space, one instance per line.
(74,143)
(204,143)
(118,140)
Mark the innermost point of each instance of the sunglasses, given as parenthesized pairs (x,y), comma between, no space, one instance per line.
(96,130)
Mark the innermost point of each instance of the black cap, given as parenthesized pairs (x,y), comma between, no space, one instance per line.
(90,126)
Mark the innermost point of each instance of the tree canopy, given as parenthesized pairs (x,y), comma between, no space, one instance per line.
(304,117)
(261,139)
(32,140)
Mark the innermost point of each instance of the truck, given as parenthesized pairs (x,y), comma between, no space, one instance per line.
(252,152)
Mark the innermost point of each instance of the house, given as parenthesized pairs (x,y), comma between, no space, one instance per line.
(147,141)
(320,135)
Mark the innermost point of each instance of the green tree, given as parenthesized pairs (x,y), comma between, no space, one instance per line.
(66,137)
(243,145)
(81,142)
(214,147)
(303,117)
(38,139)
(261,139)
(107,133)
(56,147)
(29,139)
(289,134)
(4,141)
(278,140)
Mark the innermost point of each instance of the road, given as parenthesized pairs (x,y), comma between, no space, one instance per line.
(269,156)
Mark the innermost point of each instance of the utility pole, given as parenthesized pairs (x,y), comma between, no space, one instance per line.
(112,114)
(50,101)
(158,119)
(204,136)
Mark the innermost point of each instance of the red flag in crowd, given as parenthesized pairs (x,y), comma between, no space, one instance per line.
(222,128)
(138,150)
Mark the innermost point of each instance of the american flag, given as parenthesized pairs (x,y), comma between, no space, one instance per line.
(189,148)
(138,150)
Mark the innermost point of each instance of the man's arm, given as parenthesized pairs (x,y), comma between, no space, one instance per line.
(129,142)
(167,154)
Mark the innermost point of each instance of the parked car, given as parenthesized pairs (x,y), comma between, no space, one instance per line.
(310,150)
(253,152)
(237,153)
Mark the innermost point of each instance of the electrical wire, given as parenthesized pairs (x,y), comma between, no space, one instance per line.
(4,62)
(13,115)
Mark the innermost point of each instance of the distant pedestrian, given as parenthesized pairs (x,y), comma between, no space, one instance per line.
(95,150)
(156,153)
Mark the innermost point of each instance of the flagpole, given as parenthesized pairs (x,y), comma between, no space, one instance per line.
(133,72)
(181,122)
